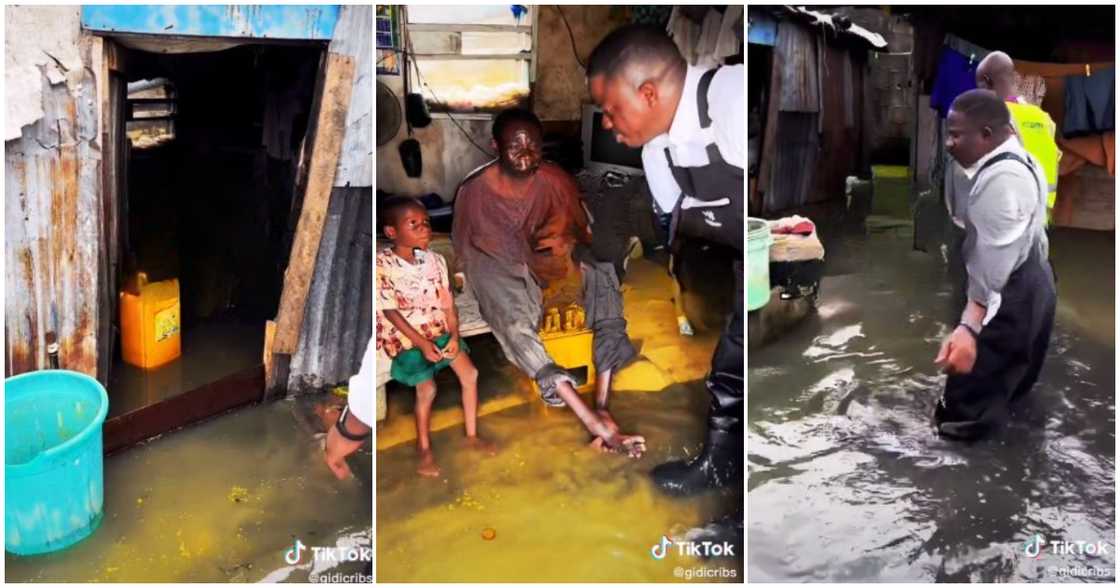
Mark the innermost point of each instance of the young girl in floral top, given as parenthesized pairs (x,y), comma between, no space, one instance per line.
(417,326)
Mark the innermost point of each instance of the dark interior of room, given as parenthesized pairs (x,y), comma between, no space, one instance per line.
(214,205)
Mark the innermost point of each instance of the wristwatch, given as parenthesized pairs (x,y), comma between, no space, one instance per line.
(971,329)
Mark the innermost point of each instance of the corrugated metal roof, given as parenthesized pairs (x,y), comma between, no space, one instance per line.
(826,20)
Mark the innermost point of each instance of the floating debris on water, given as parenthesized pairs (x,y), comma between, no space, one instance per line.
(238,494)
(489,534)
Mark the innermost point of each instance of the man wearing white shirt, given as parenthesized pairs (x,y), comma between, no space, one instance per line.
(691,123)
(995,353)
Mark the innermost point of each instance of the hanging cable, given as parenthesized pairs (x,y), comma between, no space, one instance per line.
(410,60)
(571,37)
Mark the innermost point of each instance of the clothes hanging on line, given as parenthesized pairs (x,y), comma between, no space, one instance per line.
(1089,107)
(956,74)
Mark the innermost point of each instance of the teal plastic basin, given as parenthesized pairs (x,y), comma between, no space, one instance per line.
(53,468)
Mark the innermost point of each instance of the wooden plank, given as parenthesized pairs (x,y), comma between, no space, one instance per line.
(327,145)
(800,91)
(770,133)
(189,407)
(269,337)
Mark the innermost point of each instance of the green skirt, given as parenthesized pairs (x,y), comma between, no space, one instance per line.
(411,368)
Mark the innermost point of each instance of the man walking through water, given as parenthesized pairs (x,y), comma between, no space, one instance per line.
(995,354)
(691,123)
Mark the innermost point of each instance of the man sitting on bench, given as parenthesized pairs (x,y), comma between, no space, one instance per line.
(518,225)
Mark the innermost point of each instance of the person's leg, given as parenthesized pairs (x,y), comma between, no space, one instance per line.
(603,396)
(974,403)
(605,431)
(351,429)
(345,437)
(1041,329)
(611,345)
(467,373)
(721,461)
(510,303)
(425,396)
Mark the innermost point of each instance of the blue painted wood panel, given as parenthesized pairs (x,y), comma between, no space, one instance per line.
(245,21)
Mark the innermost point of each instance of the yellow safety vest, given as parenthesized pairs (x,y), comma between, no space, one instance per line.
(1036,130)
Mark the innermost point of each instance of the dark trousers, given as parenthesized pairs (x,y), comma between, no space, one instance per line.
(1010,350)
(725,380)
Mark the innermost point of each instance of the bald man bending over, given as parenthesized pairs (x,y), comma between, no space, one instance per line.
(995,354)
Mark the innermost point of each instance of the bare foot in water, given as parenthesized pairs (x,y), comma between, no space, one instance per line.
(631,445)
(598,443)
(427,467)
(481,445)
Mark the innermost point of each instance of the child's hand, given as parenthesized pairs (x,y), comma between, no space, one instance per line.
(430,351)
(452,349)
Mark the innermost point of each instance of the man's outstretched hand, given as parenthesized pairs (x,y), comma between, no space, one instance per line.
(958,352)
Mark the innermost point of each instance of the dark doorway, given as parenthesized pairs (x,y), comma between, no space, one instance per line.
(208,196)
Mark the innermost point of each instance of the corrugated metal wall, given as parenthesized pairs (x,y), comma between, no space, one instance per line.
(338,318)
(338,321)
(354,37)
(52,195)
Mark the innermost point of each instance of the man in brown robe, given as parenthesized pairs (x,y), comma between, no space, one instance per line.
(519,225)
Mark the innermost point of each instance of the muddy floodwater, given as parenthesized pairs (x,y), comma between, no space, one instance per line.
(559,511)
(547,507)
(218,502)
(847,481)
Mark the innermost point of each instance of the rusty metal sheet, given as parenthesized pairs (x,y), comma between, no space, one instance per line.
(53,228)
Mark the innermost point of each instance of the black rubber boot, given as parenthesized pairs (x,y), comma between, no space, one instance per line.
(719,465)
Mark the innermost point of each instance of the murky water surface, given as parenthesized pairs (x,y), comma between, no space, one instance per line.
(559,511)
(220,501)
(847,480)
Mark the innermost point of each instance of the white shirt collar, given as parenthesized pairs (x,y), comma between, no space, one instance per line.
(1009,145)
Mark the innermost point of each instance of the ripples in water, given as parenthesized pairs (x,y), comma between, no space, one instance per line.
(847,480)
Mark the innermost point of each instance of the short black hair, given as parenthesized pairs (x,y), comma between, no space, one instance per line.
(514,115)
(632,44)
(392,207)
(982,107)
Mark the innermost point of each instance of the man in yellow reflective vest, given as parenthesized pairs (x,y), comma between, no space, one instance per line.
(1033,125)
